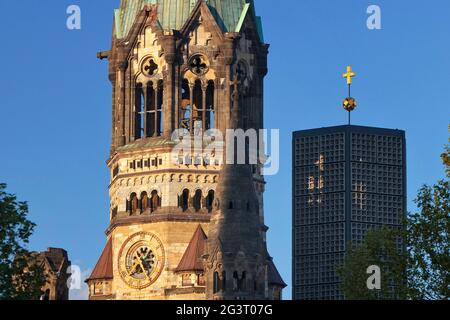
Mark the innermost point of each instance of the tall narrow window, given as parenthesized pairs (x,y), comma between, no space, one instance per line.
(224,280)
(210,200)
(216,281)
(198,200)
(201,281)
(209,119)
(185,109)
(241,281)
(138,111)
(159,108)
(197,106)
(134,203)
(114,212)
(235,281)
(155,202)
(144,201)
(150,111)
(185,200)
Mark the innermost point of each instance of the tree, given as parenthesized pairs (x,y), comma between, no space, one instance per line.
(21,277)
(428,240)
(382,248)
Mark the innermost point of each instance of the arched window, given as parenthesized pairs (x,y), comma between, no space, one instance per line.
(139,109)
(224,280)
(209,119)
(155,202)
(210,200)
(149,109)
(185,109)
(185,200)
(150,114)
(201,281)
(144,201)
(46,295)
(241,282)
(197,200)
(230,205)
(186,280)
(197,105)
(114,212)
(216,281)
(235,281)
(159,108)
(134,203)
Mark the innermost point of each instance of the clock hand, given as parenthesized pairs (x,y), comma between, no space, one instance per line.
(135,264)
(133,268)
(143,270)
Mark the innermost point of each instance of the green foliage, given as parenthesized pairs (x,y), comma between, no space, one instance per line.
(428,243)
(20,276)
(383,248)
(446,158)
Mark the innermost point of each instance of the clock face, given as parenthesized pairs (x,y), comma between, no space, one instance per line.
(141,260)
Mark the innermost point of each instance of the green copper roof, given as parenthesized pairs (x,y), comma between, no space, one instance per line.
(172,14)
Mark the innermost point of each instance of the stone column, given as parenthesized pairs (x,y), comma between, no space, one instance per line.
(121,119)
(229,57)
(113,117)
(170,54)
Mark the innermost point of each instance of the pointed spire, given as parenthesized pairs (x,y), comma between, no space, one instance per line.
(104,267)
(192,258)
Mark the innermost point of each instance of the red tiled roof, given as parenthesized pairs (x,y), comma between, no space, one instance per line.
(104,267)
(192,258)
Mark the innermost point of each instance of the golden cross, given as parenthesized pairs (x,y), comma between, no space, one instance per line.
(349,75)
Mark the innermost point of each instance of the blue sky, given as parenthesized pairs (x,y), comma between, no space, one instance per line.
(55,102)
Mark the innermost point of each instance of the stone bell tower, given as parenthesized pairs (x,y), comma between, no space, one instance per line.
(175,67)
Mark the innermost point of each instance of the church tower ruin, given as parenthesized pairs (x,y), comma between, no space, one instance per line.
(181,69)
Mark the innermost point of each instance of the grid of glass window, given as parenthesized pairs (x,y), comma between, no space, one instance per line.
(332,177)
(330,291)
(331,207)
(375,192)
(390,179)
(332,237)
(364,177)
(323,208)
(328,265)
(306,180)
(309,207)
(307,292)
(364,147)
(390,209)
(306,151)
(332,147)
(307,240)
(364,207)
(308,268)
(359,231)
(390,150)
